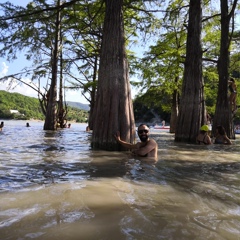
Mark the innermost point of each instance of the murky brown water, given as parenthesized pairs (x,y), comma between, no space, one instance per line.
(53,186)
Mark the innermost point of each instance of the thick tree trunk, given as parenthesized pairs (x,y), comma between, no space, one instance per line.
(174,112)
(223,115)
(191,103)
(62,110)
(90,114)
(93,94)
(113,110)
(51,113)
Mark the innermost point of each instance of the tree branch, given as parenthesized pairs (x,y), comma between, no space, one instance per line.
(64,5)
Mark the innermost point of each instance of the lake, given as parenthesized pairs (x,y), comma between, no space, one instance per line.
(53,186)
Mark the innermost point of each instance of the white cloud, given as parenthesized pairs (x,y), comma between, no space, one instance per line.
(4,69)
(12,85)
(19,88)
(75,96)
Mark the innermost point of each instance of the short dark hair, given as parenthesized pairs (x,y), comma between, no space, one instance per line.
(221,130)
(143,124)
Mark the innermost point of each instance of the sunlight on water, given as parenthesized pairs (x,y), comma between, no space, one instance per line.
(53,186)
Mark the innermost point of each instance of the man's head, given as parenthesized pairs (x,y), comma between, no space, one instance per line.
(143,132)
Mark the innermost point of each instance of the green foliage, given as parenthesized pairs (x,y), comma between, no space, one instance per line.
(29,108)
(154,100)
(77,115)
(210,88)
(161,68)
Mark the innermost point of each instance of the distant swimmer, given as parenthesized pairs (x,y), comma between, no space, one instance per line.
(221,136)
(203,137)
(1,126)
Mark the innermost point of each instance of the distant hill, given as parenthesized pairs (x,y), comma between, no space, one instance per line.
(18,106)
(78,105)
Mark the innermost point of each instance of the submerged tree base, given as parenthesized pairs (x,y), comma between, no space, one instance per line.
(106,146)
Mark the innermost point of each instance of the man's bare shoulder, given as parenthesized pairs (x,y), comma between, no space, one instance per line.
(152,141)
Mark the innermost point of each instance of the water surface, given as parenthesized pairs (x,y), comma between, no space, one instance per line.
(53,186)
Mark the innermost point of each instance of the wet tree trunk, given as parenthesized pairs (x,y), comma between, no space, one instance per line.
(62,108)
(114,109)
(93,94)
(191,103)
(51,113)
(174,111)
(223,115)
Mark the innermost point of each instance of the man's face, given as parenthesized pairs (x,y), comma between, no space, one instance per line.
(143,133)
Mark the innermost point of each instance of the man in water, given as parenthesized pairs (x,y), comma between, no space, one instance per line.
(146,148)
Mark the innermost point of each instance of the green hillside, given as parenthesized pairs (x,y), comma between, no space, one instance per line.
(29,108)
(78,105)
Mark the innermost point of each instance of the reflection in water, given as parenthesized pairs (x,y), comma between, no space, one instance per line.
(53,186)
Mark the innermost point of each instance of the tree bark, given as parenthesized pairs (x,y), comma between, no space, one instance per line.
(192,101)
(114,109)
(174,111)
(93,94)
(223,115)
(51,113)
(62,108)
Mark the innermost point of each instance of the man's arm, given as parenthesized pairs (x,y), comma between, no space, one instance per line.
(125,144)
(144,150)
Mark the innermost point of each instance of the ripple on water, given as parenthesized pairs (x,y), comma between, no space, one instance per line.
(54,186)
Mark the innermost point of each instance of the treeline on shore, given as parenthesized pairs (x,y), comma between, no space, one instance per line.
(19,107)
